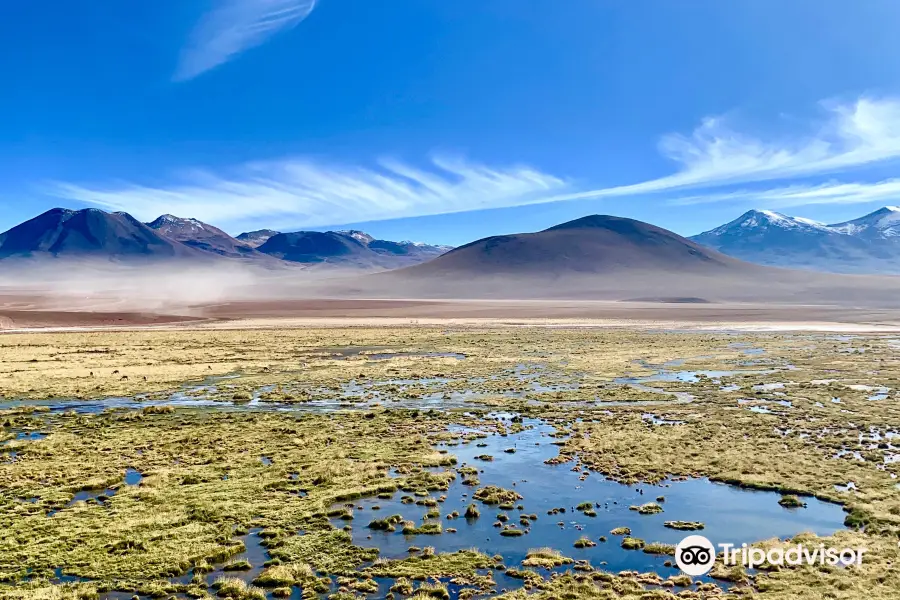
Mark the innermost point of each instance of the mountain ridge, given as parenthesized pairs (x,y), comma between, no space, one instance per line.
(594,244)
(202,236)
(868,244)
(89,232)
(93,233)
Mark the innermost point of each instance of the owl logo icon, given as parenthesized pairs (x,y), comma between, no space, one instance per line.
(695,555)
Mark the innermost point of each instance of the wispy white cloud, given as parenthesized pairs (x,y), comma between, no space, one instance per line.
(235,26)
(300,192)
(833,192)
(853,135)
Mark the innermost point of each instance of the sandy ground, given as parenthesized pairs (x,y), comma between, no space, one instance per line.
(17,314)
(61,295)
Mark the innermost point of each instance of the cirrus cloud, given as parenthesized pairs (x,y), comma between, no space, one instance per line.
(303,192)
(235,26)
(832,192)
(852,136)
(712,162)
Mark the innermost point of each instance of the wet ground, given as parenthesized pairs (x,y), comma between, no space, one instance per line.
(519,462)
(729,514)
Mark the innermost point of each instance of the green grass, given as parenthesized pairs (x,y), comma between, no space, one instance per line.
(791,501)
(584,542)
(493,494)
(410,528)
(685,525)
(651,508)
(631,543)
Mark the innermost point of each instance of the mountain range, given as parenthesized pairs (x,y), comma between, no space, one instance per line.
(597,257)
(76,233)
(594,244)
(869,244)
(92,233)
(601,257)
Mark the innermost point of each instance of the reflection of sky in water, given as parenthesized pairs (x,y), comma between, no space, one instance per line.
(730,514)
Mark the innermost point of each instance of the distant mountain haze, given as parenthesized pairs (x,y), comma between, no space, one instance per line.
(602,257)
(598,244)
(313,246)
(597,257)
(870,244)
(347,248)
(89,232)
(95,234)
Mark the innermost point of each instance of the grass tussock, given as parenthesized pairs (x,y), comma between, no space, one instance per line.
(205,486)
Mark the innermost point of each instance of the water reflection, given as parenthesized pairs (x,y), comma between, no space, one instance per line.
(730,514)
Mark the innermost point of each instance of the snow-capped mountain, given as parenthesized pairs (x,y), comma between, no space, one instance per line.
(96,234)
(89,233)
(870,244)
(360,236)
(201,236)
(408,248)
(883,223)
(348,248)
(762,220)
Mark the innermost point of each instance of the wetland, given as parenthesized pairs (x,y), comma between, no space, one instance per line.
(429,462)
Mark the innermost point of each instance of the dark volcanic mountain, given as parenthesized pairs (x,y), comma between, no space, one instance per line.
(610,259)
(202,236)
(97,234)
(88,233)
(257,238)
(870,244)
(360,236)
(595,244)
(347,248)
(315,247)
(415,250)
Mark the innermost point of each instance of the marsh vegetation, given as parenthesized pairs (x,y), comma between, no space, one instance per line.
(254,464)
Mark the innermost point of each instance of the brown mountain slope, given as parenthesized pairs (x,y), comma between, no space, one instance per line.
(593,244)
(202,236)
(89,233)
(611,258)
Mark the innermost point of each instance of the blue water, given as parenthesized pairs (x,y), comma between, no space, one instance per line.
(730,514)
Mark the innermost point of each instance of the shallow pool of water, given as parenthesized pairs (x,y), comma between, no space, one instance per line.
(730,514)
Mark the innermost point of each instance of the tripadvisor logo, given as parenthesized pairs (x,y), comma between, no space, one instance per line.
(695,555)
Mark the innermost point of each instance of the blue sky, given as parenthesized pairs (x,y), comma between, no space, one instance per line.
(510,115)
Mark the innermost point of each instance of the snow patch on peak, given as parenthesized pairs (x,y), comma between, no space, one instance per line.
(809,222)
(426,245)
(884,222)
(170,222)
(762,218)
(359,236)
